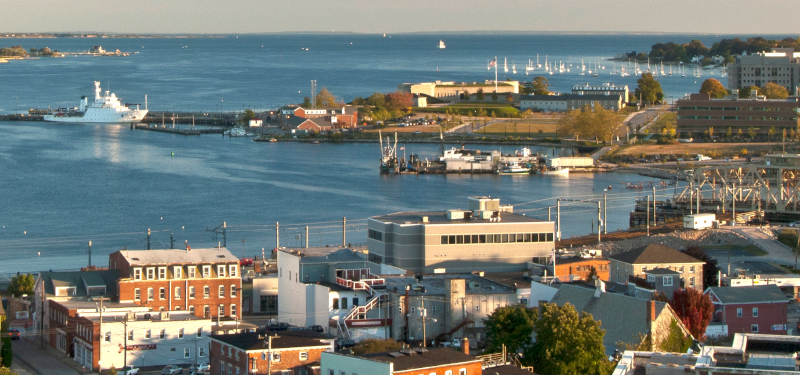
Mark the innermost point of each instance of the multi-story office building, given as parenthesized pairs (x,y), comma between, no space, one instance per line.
(780,66)
(700,114)
(603,89)
(487,237)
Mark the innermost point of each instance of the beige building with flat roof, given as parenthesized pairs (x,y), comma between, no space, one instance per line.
(486,237)
(451,89)
(780,66)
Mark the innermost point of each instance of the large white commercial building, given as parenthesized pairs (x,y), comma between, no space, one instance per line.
(780,66)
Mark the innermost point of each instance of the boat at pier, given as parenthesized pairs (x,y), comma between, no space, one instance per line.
(556,171)
(104,109)
(237,132)
(513,168)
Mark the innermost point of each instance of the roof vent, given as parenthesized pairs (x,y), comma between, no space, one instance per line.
(134,258)
(420,350)
(408,351)
(220,256)
(424,219)
(395,354)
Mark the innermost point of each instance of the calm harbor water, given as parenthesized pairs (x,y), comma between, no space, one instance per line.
(63,185)
(66,184)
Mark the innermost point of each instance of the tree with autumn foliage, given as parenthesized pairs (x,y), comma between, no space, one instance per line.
(713,88)
(774,91)
(398,101)
(694,309)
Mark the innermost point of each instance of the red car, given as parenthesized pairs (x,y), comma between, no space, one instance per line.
(13,333)
(246,261)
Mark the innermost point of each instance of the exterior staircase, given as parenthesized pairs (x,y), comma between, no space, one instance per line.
(361,279)
(461,323)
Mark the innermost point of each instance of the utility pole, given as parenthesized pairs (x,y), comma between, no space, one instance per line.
(306,236)
(125,356)
(598,221)
(277,235)
(648,216)
(698,201)
(344,231)
(733,210)
(224,234)
(605,212)
(148,238)
(424,314)
(269,352)
(172,240)
(548,213)
(558,220)
(90,254)
(655,213)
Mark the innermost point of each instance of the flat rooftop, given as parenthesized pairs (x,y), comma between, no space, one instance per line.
(437,284)
(440,217)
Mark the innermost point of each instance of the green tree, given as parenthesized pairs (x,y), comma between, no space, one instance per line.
(648,88)
(306,102)
(7,371)
(113,370)
(744,92)
(694,309)
(591,275)
(21,284)
(540,86)
(510,326)
(376,345)
(729,133)
(479,96)
(494,96)
(567,343)
(326,99)
(247,115)
(713,88)
(377,100)
(6,354)
(466,95)
(676,341)
(751,132)
(774,91)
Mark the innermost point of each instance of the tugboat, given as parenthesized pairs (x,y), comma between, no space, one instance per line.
(104,109)
(388,155)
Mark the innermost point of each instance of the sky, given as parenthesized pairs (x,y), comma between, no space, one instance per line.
(400,16)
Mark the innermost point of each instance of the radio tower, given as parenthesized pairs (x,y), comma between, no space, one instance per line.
(313,93)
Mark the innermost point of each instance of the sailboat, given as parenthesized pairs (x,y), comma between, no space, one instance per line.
(537,61)
(662,68)
(670,69)
(697,71)
(683,71)
(505,65)
(513,68)
(583,69)
(595,74)
(441,44)
(546,65)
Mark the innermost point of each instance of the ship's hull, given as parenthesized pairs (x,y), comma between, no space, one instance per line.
(101,117)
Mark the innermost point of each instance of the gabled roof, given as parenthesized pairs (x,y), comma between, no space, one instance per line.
(748,294)
(661,271)
(284,340)
(80,280)
(654,254)
(178,256)
(419,359)
(622,317)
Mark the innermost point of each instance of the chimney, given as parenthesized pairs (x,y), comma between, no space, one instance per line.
(600,288)
(651,311)
(465,345)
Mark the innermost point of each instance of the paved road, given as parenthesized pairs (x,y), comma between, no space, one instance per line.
(777,252)
(39,361)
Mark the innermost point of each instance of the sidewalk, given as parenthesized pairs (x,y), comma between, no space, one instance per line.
(35,360)
(777,252)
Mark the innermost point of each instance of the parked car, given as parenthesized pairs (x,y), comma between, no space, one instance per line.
(13,333)
(794,224)
(278,326)
(246,261)
(791,298)
(316,328)
(172,370)
(128,370)
(202,368)
(344,344)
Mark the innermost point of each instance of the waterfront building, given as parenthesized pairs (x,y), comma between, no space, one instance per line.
(748,309)
(339,117)
(206,282)
(408,361)
(262,298)
(603,89)
(486,237)
(780,66)
(300,124)
(699,114)
(284,352)
(456,90)
(567,102)
(635,264)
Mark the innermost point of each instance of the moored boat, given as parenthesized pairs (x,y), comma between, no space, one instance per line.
(104,109)
(556,171)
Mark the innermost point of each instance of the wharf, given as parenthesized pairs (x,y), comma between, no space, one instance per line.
(181,131)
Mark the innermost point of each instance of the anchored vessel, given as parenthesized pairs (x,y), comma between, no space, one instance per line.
(104,108)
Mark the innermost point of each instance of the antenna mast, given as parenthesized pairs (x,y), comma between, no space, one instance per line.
(313,93)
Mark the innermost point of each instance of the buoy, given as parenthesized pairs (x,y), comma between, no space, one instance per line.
(172,154)
(162,218)
(25,232)
(39,253)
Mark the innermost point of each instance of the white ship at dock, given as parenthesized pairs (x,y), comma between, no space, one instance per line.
(104,109)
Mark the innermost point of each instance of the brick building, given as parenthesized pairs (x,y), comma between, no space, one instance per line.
(748,309)
(289,353)
(699,113)
(338,117)
(433,361)
(636,262)
(579,268)
(204,281)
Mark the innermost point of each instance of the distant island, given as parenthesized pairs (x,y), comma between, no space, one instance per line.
(100,35)
(721,52)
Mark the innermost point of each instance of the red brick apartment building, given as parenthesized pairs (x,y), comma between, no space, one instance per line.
(749,309)
(290,353)
(581,268)
(204,281)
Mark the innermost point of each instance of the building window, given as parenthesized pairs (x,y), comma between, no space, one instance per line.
(222,366)
(108,336)
(303,356)
(755,312)
(137,273)
(667,280)
(233,310)
(147,334)
(190,271)
(691,281)
(177,292)
(221,310)
(448,372)
(462,371)
(233,290)
(162,273)
(130,335)
(180,333)
(754,328)
(336,304)
(691,269)
(191,309)
(276,357)
(206,271)
(220,271)
(206,291)
(137,294)
(355,301)
(221,291)
(162,294)
(738,312)
(344,302)
(201,351)
(149,294)
(151,273)
(200,332)
(233,269)
(191,292)
(176,273)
